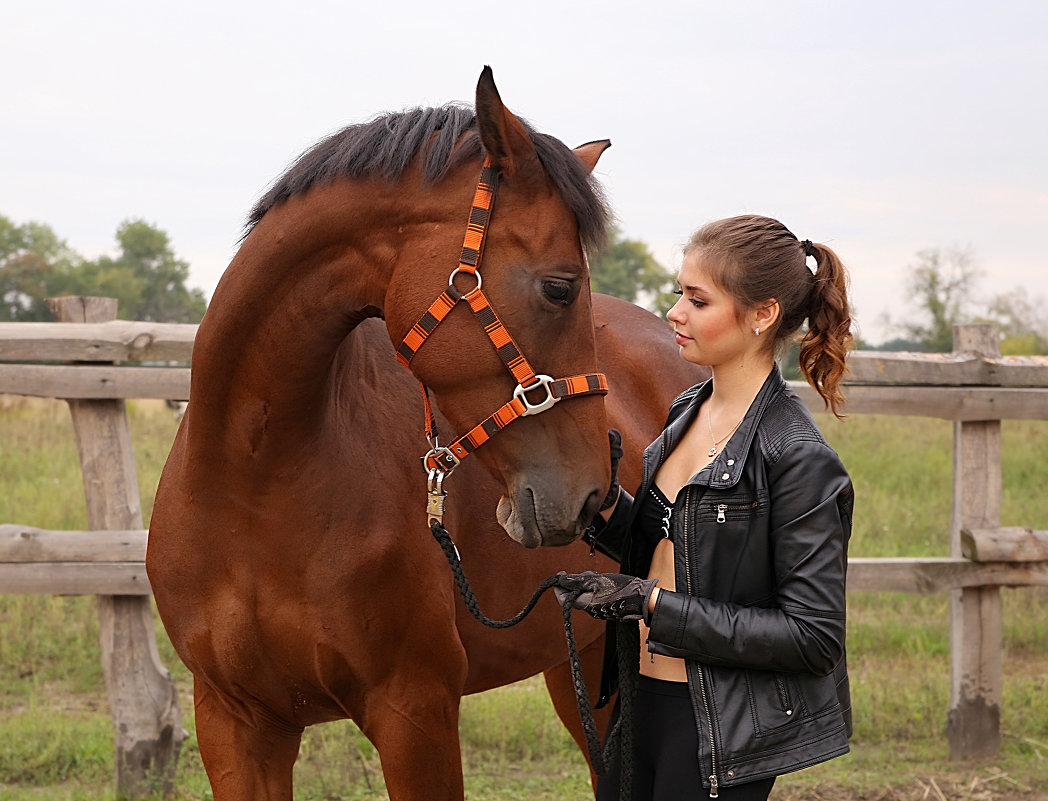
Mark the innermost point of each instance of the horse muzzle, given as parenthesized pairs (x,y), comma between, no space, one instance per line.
(534,519)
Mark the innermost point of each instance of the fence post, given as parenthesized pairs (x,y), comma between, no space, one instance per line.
(974,719)
(143,701)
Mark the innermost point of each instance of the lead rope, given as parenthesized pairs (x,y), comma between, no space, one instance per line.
(620,739)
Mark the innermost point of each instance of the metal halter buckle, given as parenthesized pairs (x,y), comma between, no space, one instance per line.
(530,408)
(445,459)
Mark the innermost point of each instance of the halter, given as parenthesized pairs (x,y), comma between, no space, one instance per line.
(441,461)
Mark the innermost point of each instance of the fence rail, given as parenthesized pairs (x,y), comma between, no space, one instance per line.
(34,560)
(975,387)
(962,387)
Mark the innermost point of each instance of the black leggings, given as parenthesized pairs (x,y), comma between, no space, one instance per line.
(665,744)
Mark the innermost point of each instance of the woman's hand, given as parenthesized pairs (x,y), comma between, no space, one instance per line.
(606,596)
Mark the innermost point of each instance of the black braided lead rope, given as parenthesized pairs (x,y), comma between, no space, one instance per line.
(452,555)
(619,743)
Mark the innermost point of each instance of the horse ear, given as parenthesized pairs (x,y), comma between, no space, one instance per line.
(590,152)
(504,137)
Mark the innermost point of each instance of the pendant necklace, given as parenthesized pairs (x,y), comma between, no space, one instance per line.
(709,424)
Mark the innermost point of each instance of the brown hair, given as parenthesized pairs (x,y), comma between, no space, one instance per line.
(756,259)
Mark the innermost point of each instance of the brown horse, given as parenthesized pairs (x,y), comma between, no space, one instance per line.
(289,553)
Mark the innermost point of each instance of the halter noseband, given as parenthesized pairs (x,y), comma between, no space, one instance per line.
(441,461)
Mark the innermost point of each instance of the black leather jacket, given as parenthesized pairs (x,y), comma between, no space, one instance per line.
(760,540)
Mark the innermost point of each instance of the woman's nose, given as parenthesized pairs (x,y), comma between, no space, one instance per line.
(674,314)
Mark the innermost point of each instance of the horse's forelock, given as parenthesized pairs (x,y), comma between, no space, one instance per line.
(445,137)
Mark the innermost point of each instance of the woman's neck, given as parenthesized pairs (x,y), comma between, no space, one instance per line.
(734,388)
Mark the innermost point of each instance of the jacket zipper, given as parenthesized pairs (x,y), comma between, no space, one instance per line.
(702,673)
(723,509)
(784,696)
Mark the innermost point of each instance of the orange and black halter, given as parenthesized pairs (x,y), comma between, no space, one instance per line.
(440,461)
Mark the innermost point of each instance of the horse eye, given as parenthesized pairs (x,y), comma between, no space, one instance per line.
(560,292)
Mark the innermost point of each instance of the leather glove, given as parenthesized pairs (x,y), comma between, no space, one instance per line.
(606,596)
(615,443)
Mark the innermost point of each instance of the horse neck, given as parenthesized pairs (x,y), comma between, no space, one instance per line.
(311,270)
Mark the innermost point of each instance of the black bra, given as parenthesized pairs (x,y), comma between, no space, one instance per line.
(654,515)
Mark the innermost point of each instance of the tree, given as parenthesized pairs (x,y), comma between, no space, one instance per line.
(1023,323)
(941,285)
(628,270)
(147,278)
(34,264)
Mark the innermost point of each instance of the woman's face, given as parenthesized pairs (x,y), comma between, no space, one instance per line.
(708,329)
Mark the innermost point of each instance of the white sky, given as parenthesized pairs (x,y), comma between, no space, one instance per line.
(880,128)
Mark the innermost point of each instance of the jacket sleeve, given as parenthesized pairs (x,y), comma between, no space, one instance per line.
(802,626)
(609,537)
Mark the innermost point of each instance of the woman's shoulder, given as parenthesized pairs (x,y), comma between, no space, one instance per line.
(787,422)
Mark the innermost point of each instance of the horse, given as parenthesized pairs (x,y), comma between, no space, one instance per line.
(289,552)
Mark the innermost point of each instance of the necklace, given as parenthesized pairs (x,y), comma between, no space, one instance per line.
(709,424)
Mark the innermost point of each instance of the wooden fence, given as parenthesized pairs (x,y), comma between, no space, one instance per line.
(102,363)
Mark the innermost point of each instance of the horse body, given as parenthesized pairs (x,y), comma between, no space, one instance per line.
(289,553)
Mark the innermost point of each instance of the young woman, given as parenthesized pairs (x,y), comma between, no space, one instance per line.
(739,529)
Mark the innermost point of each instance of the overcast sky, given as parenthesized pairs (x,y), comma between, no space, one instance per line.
(881,128)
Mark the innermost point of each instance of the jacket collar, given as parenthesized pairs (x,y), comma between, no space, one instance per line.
(727,466)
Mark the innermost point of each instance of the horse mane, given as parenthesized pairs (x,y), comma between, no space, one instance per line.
(388,144)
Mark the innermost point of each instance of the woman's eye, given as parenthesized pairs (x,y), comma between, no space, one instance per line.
(698,304)
(560,292)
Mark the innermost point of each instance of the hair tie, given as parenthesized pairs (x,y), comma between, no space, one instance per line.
(806,244)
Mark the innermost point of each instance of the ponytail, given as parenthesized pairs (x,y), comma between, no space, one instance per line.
(824,347)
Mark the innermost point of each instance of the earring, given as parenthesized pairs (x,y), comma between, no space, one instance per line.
(756,332)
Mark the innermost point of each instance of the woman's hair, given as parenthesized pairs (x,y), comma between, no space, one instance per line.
(756,259)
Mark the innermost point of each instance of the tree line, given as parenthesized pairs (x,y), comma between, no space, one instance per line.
(146,277)
(943,289)
(149,281)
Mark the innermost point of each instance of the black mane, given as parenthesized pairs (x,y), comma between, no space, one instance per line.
(388,144)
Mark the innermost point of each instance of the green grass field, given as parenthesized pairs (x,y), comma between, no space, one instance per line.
(56,743)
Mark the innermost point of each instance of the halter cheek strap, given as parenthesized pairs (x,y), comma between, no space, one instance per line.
(440,461)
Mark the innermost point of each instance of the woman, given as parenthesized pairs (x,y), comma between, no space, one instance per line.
(740,526)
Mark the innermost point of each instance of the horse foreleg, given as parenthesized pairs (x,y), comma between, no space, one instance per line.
(415,732)
(247,755)
(561,690)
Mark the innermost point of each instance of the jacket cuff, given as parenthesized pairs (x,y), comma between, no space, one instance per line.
(667,619)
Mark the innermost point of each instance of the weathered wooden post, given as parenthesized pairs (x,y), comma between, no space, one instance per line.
(974,720)
(143,701)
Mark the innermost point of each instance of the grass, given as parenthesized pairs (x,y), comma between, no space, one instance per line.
(55,731)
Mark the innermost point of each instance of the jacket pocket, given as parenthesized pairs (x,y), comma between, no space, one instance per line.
(775,701)
(721,509)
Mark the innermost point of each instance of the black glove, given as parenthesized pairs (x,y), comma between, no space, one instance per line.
(615,443)
(606,596)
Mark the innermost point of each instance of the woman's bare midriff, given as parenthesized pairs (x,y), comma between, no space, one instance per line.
(657,666)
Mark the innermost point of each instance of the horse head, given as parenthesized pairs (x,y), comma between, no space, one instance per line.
(524,275)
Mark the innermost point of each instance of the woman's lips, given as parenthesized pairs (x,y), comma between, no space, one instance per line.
(680,338)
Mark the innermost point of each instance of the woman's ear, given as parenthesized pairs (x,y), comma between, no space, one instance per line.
(765,315)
